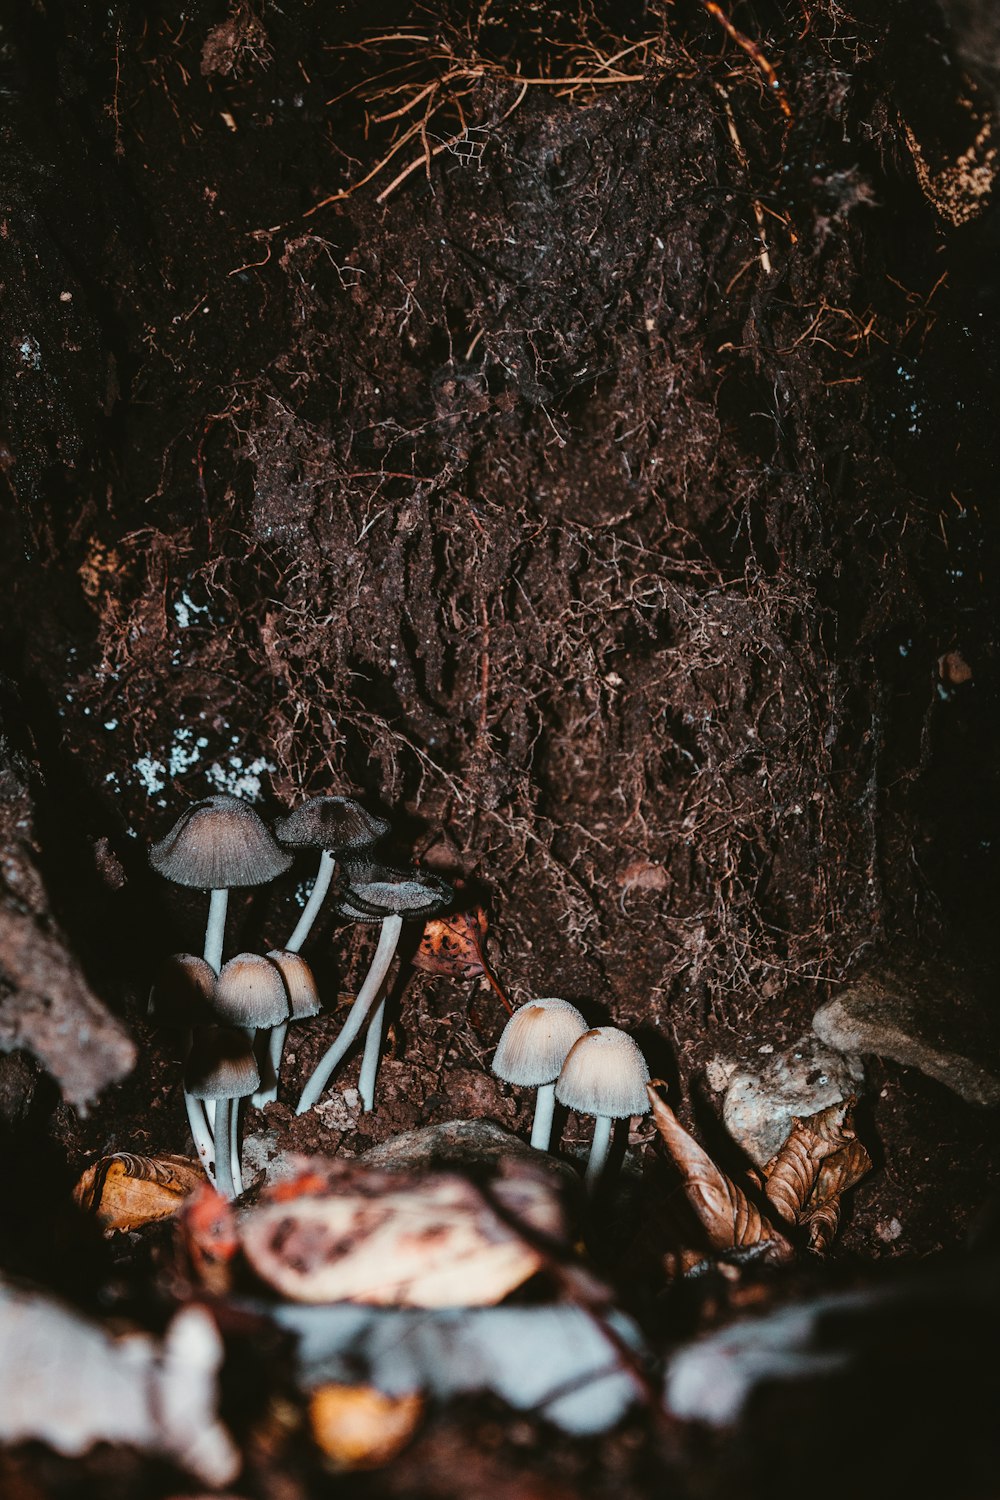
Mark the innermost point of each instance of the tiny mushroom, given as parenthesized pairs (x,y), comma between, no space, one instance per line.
(215,845)
(531,1053)
(303,1002)
(250,993)
(221,1068)
(375,893)
(334,825)
(604,1075)
(181,996)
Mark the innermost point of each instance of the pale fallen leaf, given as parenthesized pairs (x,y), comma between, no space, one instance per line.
(359,1427)
(65,1381)
(728,1218)
(340,1232)
(124,1191)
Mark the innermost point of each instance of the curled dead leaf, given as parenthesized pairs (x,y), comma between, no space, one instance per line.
(359,1427)
(124,1191)
(728,1218)
(354,1234)
(790,1176)
(453,946)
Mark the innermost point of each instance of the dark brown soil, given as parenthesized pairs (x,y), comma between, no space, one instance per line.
(600,502)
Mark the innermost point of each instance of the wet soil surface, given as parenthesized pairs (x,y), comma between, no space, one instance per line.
(586,464)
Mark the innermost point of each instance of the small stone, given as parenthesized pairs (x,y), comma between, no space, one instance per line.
(759,1108)
(927,1020)
(718,1073)
(888,1230)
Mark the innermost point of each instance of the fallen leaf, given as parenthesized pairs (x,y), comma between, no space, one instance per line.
(453,946)
(819,1161)
(841,1171)
(355,1234)
(727,1216)
(359,1427)
(65,1381)
(790,1176)
(124,1191)
(209,1236)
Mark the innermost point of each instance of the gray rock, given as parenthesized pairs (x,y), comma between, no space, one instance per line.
(459,1143)
(759,1108)
(927,1021)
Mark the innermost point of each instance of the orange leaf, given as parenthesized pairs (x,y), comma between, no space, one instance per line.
(453,946)
(359,1427)
(125,1191)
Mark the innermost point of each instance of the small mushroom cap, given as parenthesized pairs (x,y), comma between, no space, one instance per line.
(373,891)
(333,823)
(217,844)
(250,991)
(604,1073)
(221,1064)
(181,993)
(535,1042)
(300,986)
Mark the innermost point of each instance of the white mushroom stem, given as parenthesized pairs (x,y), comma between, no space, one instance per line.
(598,1151)
(201,1134)
(223,1149)
(392,926)
(234,1146)
(370,1060)
(327,865)
(271,1059)
(215,932)
(541,1130)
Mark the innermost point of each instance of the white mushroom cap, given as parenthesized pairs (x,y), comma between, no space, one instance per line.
(217,844)
(300,986)
(535,1042)
(605,1073)
(250,991)
(221,1064)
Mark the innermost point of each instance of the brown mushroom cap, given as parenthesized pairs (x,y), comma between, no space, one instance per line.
(250,991)
(221,1064)
(300,986)
(604,1073)
(217,844)
(535,1042)
(181,993)
(331,823)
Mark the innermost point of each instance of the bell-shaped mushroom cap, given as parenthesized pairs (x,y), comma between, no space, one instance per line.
(221,1064)
(250,991)
(300,986)
(604,1073)
(374,891)
(535,1042)
(219,843)
(332,823)
(181,994)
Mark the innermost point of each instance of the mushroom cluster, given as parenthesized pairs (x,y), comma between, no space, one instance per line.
(235,1014)
(601,1072)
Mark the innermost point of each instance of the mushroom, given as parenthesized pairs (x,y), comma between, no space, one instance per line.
(181,995)
(303,1002)
(215,845)
(221,1068)
(250,993)
(334,825)
(604,1075)
(531,1053)
(375,893)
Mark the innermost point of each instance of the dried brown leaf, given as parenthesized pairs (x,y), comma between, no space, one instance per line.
(791,1174)
(125,1191)
(453,946)
(726,1214)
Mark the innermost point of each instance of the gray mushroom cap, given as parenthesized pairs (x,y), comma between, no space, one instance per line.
(181,993)
(535,1042)
(372,891)
(217,844)
(250,991)
(604,1073)
(221,1064)
(331,823)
